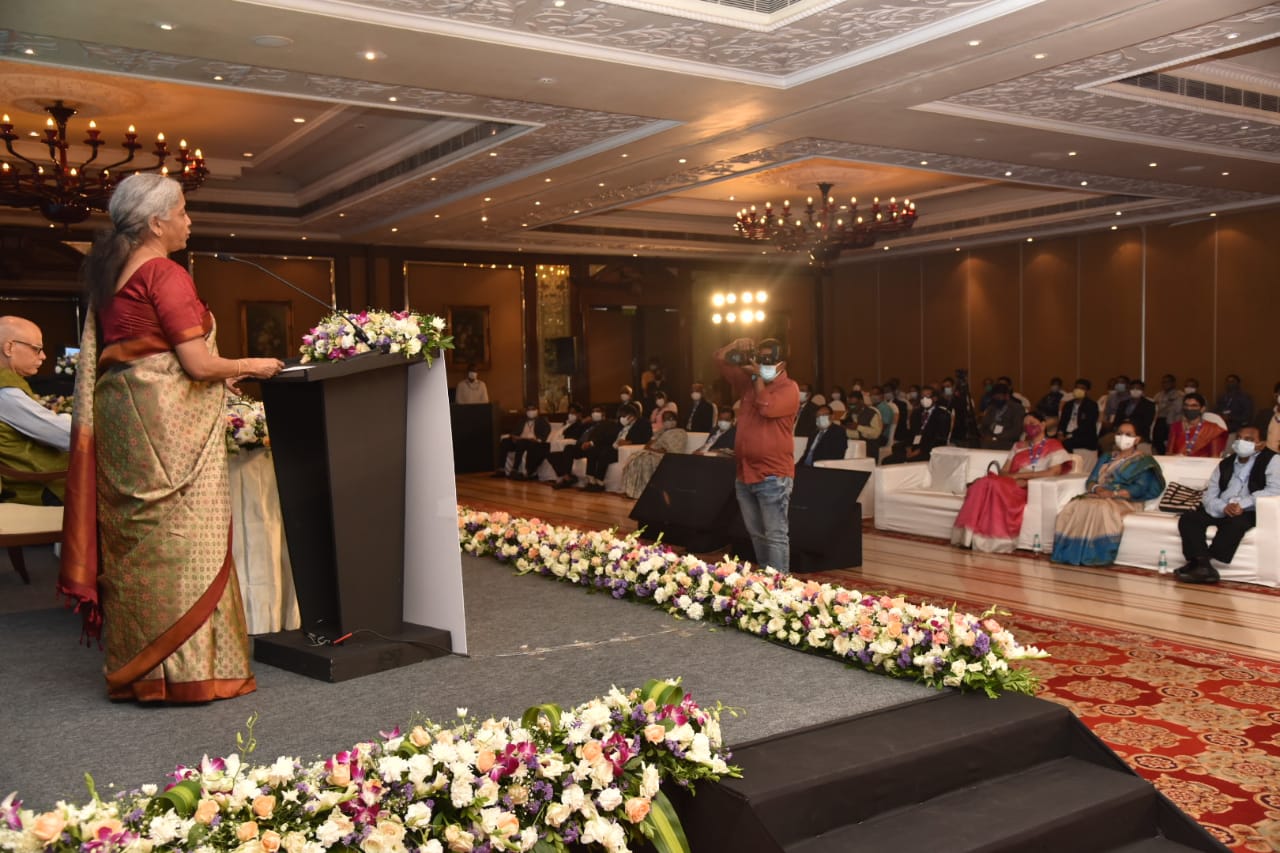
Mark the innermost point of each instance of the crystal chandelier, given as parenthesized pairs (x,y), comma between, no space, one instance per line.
(66,193)
(828,229)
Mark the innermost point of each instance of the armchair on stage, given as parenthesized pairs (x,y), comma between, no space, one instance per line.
(374,552)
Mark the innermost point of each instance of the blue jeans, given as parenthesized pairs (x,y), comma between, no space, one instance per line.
(764,512)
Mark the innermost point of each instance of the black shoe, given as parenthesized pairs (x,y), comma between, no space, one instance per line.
(1202,573)
(594,487)
(561,484)
(499,473)
(1187,567)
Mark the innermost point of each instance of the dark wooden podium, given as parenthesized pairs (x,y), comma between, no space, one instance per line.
(338,441)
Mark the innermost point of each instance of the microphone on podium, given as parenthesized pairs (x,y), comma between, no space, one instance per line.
(359,332)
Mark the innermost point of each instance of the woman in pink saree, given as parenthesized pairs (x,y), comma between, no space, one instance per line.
(993,506)
(147,524)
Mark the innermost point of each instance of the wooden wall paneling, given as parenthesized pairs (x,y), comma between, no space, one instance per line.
(852,310)
(1049,328)
(946,315)
(433,287)
(994,314)
(1180,303)
(610,341)
(899,320)
(1110,305)
(1248,304)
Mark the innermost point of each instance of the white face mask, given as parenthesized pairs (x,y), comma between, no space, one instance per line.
(626,398)
(597,416)
(696,396)
(1125,442)
(768,372)
(947,391)
(531,414)
(724,425)
(1190,389)
(628,420)
(659,402)
(857,387)
(823,421)
(472,376)
(1135,393)
(836,395)
(1120,387)
(804,396)
(1244,449)
(926,402)
(571,418)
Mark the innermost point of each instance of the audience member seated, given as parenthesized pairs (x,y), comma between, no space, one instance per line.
(651,375)
(1088,529)
(471,389)
(1272,421)
(702,412)
(1168,409)
(632,429)
(530,444)
(829,442)
(1235,406)
(1193,435)
(864,422)
(670,438)
(1229,505)
(991,516)
(561,461)
(1117,393)
(836,400)
(927,428)
(721,439)
(1051,403)
(1078,422)
(1137,410)
(625,400)
(888,413)
(32,438)
(947,394)
(582,434)
(1014,395)
(808,412)
(661,405)
(1002,420)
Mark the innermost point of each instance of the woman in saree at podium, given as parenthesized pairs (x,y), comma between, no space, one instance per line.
(991,516)
(1088,529)
(146,535)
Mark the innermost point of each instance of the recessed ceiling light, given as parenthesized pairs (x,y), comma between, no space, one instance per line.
(537,204)
(682,160)
(372,55)
(1084,183)
(247,154)
(166,26)
(733,198)
(341,215)
(217,77)
(1224,174)
(299,120)
(1212,215)
(29,52)
(974,42)
(1008,174)
(1153,165)
(232,234)
(547,81)
(1071,153)
(600,184)
(577,211)
(886,248)
(524,224)
(437,216)
(484,219)
(1233,35)
(394,230)
(1031,239)
(493,153)
(1119,213)
(559,4)
(434,178)
(392,98)
(625,156)
(1041,56)
(488,198)
(304,238)
(272,41)
(957,248)
(1115,227)
(546,180)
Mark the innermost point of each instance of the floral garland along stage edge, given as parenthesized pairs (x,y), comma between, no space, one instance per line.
(406,332)
(887,635)
(590,775)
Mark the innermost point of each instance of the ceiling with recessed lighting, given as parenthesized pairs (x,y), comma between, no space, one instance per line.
(643,126)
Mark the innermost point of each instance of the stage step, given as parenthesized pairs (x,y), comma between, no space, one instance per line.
(1061,806)
(1009,774)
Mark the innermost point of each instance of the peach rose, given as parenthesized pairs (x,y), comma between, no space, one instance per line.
(110,824)
(485,760)
(941,638)
(264,805)
(270,841)
(591,750)
(649,706)
(48,826)
(419,737)
(895,629)
(655,733)
(340,775)
(206,811)
(507,824)
(247,831)
(637,809)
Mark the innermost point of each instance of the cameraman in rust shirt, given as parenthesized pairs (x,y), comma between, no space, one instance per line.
(765,447)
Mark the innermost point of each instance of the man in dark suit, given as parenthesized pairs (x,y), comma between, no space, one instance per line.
(632,429)
(808,412)
(927,427)
(720,441)
(575,425)
(702,412)
(829,442)
(1137,410)
(1078,423)
(530,444)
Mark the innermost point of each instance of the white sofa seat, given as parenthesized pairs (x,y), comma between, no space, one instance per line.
(907,500)
(1151,531)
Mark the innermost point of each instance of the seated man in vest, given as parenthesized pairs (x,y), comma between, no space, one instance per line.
(1229,504)
(32,438)
(829,442)
(720,441)
(579,436)
(863,422)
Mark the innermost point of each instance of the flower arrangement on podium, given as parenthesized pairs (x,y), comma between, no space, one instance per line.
(57,403)
(938,646)
(246,424)
(594,776)
(413,335)
(66,364)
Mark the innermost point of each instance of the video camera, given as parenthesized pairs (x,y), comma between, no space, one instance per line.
(739,357)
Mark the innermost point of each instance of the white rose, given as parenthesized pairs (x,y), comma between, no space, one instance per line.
(417,816)
(609,799)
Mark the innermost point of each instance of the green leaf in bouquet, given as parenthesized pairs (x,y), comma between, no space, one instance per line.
(182,797)
(549,710)
(668,835)
(662,692)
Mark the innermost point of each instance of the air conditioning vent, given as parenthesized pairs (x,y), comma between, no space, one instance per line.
(1186,87)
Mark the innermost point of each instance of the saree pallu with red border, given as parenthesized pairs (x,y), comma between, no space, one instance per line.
(148,522)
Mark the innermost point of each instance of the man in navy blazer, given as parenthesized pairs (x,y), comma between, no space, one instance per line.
(829,442)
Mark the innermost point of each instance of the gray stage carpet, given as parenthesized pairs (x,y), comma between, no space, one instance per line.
(532,640)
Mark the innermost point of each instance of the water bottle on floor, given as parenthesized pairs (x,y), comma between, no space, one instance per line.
(1162,564)
(1035,545)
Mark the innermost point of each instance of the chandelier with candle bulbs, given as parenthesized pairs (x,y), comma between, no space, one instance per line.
(827,228)
(66,193)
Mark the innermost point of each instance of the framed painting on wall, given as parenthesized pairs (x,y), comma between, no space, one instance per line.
(266,328)
(469,325)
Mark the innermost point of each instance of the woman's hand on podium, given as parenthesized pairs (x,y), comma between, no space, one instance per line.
(253,368)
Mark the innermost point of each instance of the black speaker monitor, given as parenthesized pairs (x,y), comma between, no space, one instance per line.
(690,501)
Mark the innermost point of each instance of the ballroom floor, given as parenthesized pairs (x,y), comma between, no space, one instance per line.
(1237,618)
